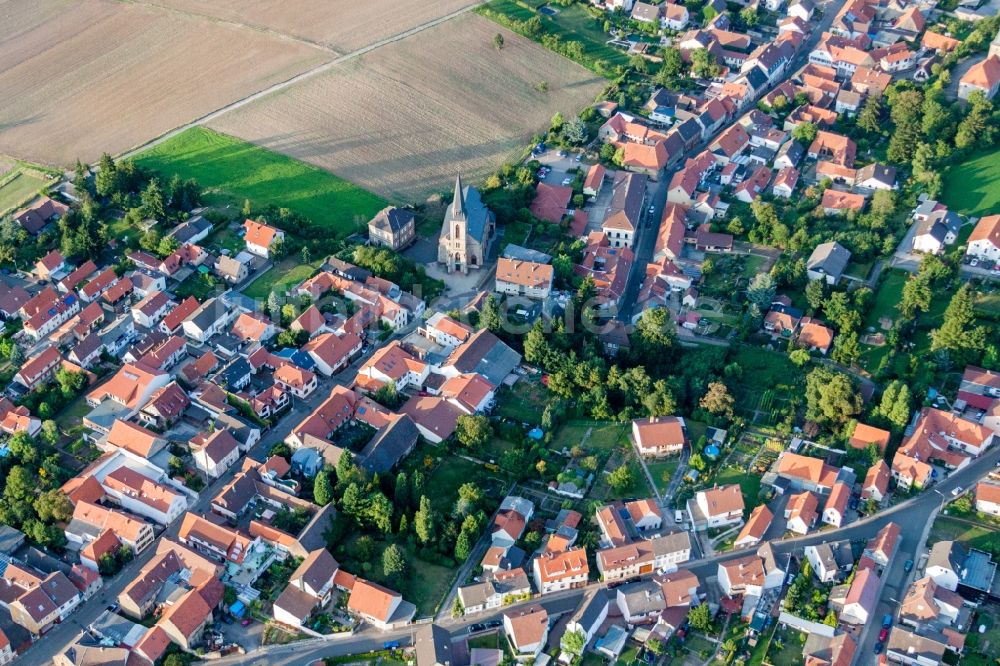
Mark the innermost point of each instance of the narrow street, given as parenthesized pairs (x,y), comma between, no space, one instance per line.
(42,652)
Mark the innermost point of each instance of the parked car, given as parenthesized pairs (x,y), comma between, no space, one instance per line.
(390,645)
(246,622)
(956,491)
(882,635)
(567,180)
(887,620)
(908,566)
(878,648)
(579,156)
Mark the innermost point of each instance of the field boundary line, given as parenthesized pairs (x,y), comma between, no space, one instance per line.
(298,78)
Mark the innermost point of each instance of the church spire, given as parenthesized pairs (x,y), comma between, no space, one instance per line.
(458,203)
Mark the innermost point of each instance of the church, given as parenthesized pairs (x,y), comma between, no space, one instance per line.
(468,229)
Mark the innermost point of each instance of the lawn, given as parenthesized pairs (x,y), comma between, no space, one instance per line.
(524,403)
(973,535)
(887,297)
(571,23)
(983,649)
(231,171)
(988,304)
(749,484)
(973,187)
(657,470)
(790,653)
(281,277)
(629,656)
(448,476)
(486,642)
(699,646)
(18,187)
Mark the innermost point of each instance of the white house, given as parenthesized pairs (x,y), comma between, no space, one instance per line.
(217,453)
(144,496)
(945,562)
(988,498)
(823,562)
(836,504)
(716,507)
(527,629)
(261,238)
(862,598)
(524,278)
(984,243)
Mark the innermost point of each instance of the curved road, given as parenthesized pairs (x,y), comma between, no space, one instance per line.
(912,515)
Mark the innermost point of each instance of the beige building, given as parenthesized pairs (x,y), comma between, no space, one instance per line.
(467,231)
(395,228)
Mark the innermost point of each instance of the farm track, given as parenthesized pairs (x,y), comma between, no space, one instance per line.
(303,76)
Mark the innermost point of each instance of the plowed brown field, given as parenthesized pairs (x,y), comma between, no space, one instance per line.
(401,121)
(343,25)
(79,77)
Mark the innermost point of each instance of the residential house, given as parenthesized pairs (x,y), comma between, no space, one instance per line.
(659,436)
(311,586)
(623,215)
(862,598)
(644,556)
(876,484)
(865,435)
(527,629)
(331,352)
(983,77)
(755,528)
(261,238)
(298,381)
(392,227)
(988,498)
(882,546)
(216,453)
(39,368)
(560,570)
(231,269)
(511,519)
(640,602)
(524,278)
(907,647)
(984,242)
(945,564)
(716,507)
(828,262)
(801,512)
(380,606)
(835,509)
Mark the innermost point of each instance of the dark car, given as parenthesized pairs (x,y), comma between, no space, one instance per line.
(476,627)
(908,567)
(878,648)
(492,624)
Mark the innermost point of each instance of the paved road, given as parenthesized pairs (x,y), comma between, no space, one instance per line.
(917,511)
(63,634)
(368,639)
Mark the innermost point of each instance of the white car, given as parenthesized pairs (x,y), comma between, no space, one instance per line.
(974,262)
(567,180)
(956,491)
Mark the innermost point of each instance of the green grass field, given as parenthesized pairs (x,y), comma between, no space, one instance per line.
(281,277)
(889,293)
(18,187)
(570,23)
(232,171)
(973,187)
(971,533)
